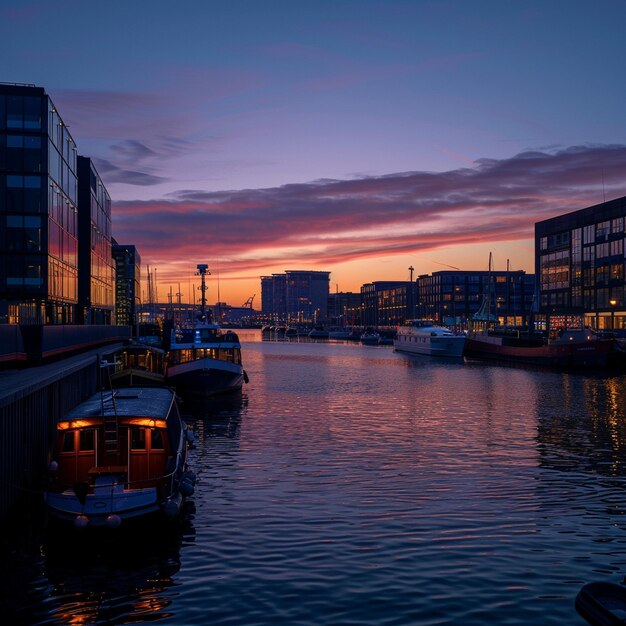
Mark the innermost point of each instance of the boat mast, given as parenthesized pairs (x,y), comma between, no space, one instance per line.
(203,270)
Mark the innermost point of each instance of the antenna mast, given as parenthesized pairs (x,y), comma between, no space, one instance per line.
(203,270)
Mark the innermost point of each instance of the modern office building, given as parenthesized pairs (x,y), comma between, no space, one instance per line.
(274,297)
(96,272)
(127,284)
(453,297)
(579,259)
(297,296)
(383,301)
(38,210)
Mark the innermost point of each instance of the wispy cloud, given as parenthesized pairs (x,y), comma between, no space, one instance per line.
(329,221)
(115,174)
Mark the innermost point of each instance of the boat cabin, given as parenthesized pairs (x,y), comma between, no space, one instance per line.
(133,443)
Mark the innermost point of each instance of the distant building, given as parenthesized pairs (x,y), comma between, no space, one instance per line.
(127,284)
(96,273)
(453,297)
(274,297)
(295,296)
(342,307)
(39,201)
(383,302)
(579,259)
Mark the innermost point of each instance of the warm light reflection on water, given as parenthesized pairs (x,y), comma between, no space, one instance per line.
(354,485)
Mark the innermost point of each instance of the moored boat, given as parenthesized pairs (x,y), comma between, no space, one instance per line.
(137,365)
(120,456)
(424,337)
(570,348)
(204,360)
(370,338)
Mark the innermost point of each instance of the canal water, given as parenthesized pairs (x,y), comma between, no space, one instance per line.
(353,485)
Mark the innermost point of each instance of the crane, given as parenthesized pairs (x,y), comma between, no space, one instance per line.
(248,303)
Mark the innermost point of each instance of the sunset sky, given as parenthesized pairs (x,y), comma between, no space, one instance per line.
(358,137)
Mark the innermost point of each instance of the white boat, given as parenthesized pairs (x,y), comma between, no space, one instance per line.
(424,337)
(204,360)
(120,456)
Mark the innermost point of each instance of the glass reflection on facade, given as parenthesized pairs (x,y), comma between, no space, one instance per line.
(38,210)
(96,299)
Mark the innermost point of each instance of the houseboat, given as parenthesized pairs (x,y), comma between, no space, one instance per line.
(120,456)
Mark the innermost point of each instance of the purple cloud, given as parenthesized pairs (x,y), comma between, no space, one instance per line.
(330,221)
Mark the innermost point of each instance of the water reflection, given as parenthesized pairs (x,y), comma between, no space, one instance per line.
(113,579)
(581,425)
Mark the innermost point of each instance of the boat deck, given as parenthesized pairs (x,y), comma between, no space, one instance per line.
(135,401)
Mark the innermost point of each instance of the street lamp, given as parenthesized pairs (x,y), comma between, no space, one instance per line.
(613,302)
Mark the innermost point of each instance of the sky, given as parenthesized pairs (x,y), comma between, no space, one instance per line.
(360,137)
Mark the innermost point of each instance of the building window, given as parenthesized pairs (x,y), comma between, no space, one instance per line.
(589,234)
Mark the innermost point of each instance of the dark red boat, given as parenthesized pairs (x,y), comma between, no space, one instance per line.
(571,348)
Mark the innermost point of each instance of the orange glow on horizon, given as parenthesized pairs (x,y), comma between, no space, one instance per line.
(235,287)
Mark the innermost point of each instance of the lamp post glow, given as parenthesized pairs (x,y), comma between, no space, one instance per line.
(613,303)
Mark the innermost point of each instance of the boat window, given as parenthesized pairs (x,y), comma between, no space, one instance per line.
(208,353)
(138,438)
(156,439)
(226,354)
(68,441)
(87,440)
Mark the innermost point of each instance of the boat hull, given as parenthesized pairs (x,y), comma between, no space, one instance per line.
(129,504)
(205,377)
(591,354)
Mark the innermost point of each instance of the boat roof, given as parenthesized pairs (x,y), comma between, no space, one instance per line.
(151,402)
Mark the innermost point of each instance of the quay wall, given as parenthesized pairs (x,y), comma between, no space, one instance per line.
(31,402)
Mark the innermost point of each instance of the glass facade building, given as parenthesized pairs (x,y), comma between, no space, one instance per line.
(297,296)
(96,298)
(580,261)
(127,284)
(38,210)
